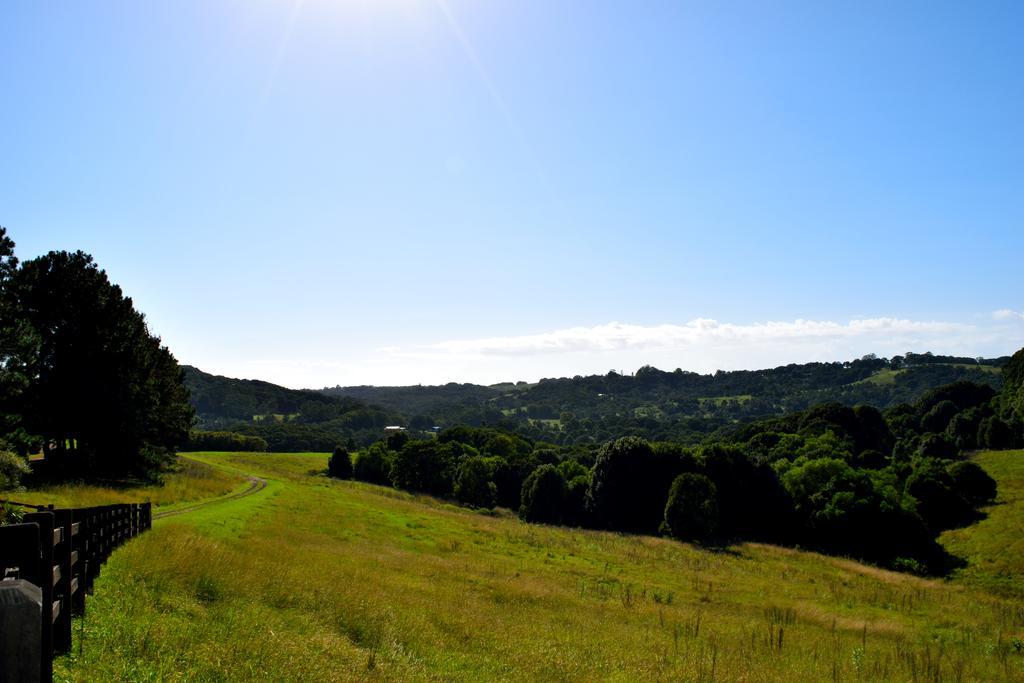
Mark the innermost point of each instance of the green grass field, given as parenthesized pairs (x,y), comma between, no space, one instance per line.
(315,579)
(994,547)
(190,481)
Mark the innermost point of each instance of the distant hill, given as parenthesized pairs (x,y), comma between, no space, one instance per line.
(676,405)
(288,419)
(426,402)
(225,399)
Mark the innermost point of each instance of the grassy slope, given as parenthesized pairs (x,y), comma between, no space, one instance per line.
(313,579)
(994,547)
(190,482)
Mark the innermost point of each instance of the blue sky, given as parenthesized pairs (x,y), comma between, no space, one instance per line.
(401,191)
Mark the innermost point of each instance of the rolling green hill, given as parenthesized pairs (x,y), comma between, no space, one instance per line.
(678,405)
(287,419)
(316,579)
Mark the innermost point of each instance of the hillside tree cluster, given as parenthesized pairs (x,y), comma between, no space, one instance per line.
(856,481)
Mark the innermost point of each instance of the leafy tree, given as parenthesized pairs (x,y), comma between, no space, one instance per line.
(373,465)
(995,433)
(339,465)
(574,510)
(571,469)
(1013,389)
(18,348)
(473,485)
(963,429)
(98,378)
(752,504)
(962,394)
(427,466)
(855,512)
(629,485)
(872,432)
(937,446)
(826,445)
(543,496)
(396,441)
(937,419)
(939,502)
(691,513)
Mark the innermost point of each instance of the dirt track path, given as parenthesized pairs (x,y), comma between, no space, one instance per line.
(256,484)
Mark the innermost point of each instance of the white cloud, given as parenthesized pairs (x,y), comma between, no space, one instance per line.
(1007,314)
(701,332)
(700,345)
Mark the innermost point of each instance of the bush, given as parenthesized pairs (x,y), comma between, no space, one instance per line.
(691,513)
(12,468)
(543,496)
(340,464)
(972,482)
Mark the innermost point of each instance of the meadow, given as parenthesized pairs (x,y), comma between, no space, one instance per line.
(189,481)
(318,579)
(994,547)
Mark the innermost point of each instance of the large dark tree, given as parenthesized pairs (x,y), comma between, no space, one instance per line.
(630,484)
(101,390)
(339,465)
(18,343)
(691,513)
(543,496)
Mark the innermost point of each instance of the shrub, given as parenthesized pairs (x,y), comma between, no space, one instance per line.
(691,513)
(972,482)
(12,468)
(340,464)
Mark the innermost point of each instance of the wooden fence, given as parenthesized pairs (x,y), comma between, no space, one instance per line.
(61,551)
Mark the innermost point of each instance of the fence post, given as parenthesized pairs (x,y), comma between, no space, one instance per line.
(79,558)
(21,620)
(63,556)
(45,577)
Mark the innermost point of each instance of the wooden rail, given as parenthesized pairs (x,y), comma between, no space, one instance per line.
(61,551)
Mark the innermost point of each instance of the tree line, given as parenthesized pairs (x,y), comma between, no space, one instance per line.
(858,481)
